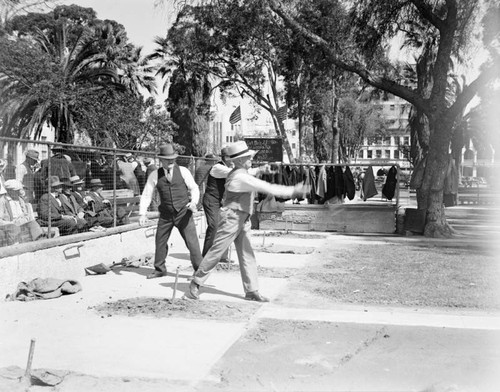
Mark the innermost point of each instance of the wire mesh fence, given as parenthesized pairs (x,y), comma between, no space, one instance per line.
(50,189)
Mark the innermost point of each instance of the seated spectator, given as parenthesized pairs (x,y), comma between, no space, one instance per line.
(85,202)
(102,206)
(17,221)
(71,207)
(51,204)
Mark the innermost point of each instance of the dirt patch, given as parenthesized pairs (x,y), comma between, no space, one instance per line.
(404,274)
(184,308)
(285,234)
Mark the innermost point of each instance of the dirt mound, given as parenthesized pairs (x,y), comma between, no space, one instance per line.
(184,308)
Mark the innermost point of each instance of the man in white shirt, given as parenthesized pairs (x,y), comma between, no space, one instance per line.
(235,223)
(179,196)
(25,173)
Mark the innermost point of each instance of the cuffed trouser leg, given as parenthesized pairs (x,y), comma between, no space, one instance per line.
(232,225)
(163,231)
(246,258)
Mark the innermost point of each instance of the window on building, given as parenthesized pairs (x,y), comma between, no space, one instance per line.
(378,140)
(293,133)
(378,154)
(406,140)
(396,154)
(360,154)
(387,141)
(369,154)
(393,107)
(387,154)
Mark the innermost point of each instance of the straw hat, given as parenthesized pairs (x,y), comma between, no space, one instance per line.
(76,180)
(239,149)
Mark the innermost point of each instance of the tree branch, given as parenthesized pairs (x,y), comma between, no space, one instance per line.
(355,67)
(468,92)
(427,13)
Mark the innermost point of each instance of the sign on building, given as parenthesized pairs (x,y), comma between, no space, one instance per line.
(269,149)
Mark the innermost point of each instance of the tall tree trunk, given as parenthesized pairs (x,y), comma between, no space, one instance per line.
(319,136)
(335,130)
(430,195)
(280,131)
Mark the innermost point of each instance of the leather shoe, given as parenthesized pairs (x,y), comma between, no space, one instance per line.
(255,296)
(193,291)
(156,274)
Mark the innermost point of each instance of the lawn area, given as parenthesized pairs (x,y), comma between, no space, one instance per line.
(398,273)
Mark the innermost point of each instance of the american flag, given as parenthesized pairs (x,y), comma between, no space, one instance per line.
(235,116)
(282,113)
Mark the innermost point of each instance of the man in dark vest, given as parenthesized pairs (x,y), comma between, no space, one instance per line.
(240,189)
(175,184)
(214,193)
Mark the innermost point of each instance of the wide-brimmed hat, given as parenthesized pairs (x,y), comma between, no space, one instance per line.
(76,180)
(58,148)
(55,182)
(33,154)
(67,182)
(95,182)
(239,149)
(14,185)
(167,152)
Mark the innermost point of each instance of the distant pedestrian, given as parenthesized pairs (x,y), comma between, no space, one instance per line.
(25,173)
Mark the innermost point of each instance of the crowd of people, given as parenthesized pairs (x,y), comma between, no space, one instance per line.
(75,202)
(229,190)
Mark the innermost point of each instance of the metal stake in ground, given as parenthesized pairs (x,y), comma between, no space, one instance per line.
(27,374)
(175,283)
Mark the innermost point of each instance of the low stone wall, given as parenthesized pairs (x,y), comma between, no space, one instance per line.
(344,218)
(67,257)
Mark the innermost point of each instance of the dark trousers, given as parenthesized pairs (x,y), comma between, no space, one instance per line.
(212,211)
(65,226)
(184,222)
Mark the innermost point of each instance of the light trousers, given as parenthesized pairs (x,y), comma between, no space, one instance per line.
(234,226)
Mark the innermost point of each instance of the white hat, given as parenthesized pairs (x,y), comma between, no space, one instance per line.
(239,149)
(15,185)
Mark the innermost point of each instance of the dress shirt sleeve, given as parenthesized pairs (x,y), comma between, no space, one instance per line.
(147,193)
(244,182)
(191,184)
(220,171)
(20,172)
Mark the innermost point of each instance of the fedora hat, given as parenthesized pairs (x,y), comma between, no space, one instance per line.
(76,180)
(167,152)
(67,182)
(96,182)
(33,154)
(55,182)
(239,149)
(58,148)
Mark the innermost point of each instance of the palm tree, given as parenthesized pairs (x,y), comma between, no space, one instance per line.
(99,59)
(188,97)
